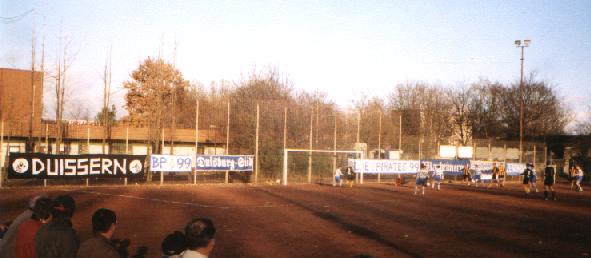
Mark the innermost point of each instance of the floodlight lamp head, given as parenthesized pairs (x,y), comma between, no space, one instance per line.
(517,43)
(526,42)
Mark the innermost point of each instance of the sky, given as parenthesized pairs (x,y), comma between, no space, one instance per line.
(344,48)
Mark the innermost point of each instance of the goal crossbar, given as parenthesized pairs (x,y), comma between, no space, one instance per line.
(287,151)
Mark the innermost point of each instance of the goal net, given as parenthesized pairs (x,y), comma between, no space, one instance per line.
(314,166)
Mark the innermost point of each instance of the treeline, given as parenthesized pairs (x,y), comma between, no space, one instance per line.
(158,96)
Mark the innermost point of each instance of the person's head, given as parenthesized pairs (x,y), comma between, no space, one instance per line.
(530,165)
(33,200)
(43,209)
(174,244)
(64,205)
(200,235)
(103,222)
(423,166)
(494,165)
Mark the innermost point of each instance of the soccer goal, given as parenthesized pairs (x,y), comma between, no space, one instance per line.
(314,166)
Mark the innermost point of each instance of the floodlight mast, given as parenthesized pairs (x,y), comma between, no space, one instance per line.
(521,44)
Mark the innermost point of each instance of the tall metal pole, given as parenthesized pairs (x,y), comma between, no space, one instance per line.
(310,152)
(196,136)
(256,149)
(358,124)
(521,108)
(380,145)
(334,148)
(227,140)
(1,152)
(88,144)
(126,147)
(400,133)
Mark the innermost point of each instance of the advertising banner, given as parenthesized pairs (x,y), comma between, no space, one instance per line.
(50,166)
(449,167)
(224,162)
(384,166)
(514,169)
(171,163)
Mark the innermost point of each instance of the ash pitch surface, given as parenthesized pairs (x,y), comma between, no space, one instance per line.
(380,220)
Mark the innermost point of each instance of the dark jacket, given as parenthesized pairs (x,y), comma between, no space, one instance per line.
(57,239)
(97,247)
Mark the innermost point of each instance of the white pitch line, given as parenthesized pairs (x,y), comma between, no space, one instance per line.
(187,203)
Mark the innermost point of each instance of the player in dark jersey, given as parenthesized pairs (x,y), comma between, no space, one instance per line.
(527,172)
(549,179)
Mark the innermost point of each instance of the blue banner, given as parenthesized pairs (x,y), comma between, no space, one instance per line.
(224,162)
(449,167)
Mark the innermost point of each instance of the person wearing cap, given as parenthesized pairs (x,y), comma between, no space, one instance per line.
(174,245)
(200,238)
(104,222)
(526,177)
(549,179)
(25,237)
(57,238)
(8,244)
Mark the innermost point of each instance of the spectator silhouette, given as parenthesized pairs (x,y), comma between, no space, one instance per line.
(25,237)
(8,244)
(57,238)
(174,245)
(104,222)
(199,234)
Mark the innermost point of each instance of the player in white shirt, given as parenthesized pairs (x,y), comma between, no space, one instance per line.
(338,177)
(437,177)
(422,176)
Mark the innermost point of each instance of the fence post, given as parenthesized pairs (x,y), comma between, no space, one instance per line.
(2,154)
(284,167)
(256,150)
(228,138)
(196,138)
(310,153)
(88,144)
(126,148)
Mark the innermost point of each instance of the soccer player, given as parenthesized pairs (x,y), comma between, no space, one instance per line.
(549,179)
(495,176)
(526,177)
(422,177)
(502,175)
(533,178)
(338,177)
(578,178)
(350,176)
(467,175)
(477,175)
(437,177)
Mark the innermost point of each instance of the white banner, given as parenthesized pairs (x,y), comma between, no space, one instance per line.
(483,166)
(514,169)
(171,163)
(384,166)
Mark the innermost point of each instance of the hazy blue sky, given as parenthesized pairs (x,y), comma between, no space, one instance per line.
(341,47)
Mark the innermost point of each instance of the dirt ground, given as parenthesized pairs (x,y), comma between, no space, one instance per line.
(380,220)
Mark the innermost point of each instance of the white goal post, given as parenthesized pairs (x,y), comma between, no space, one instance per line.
(287,151)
